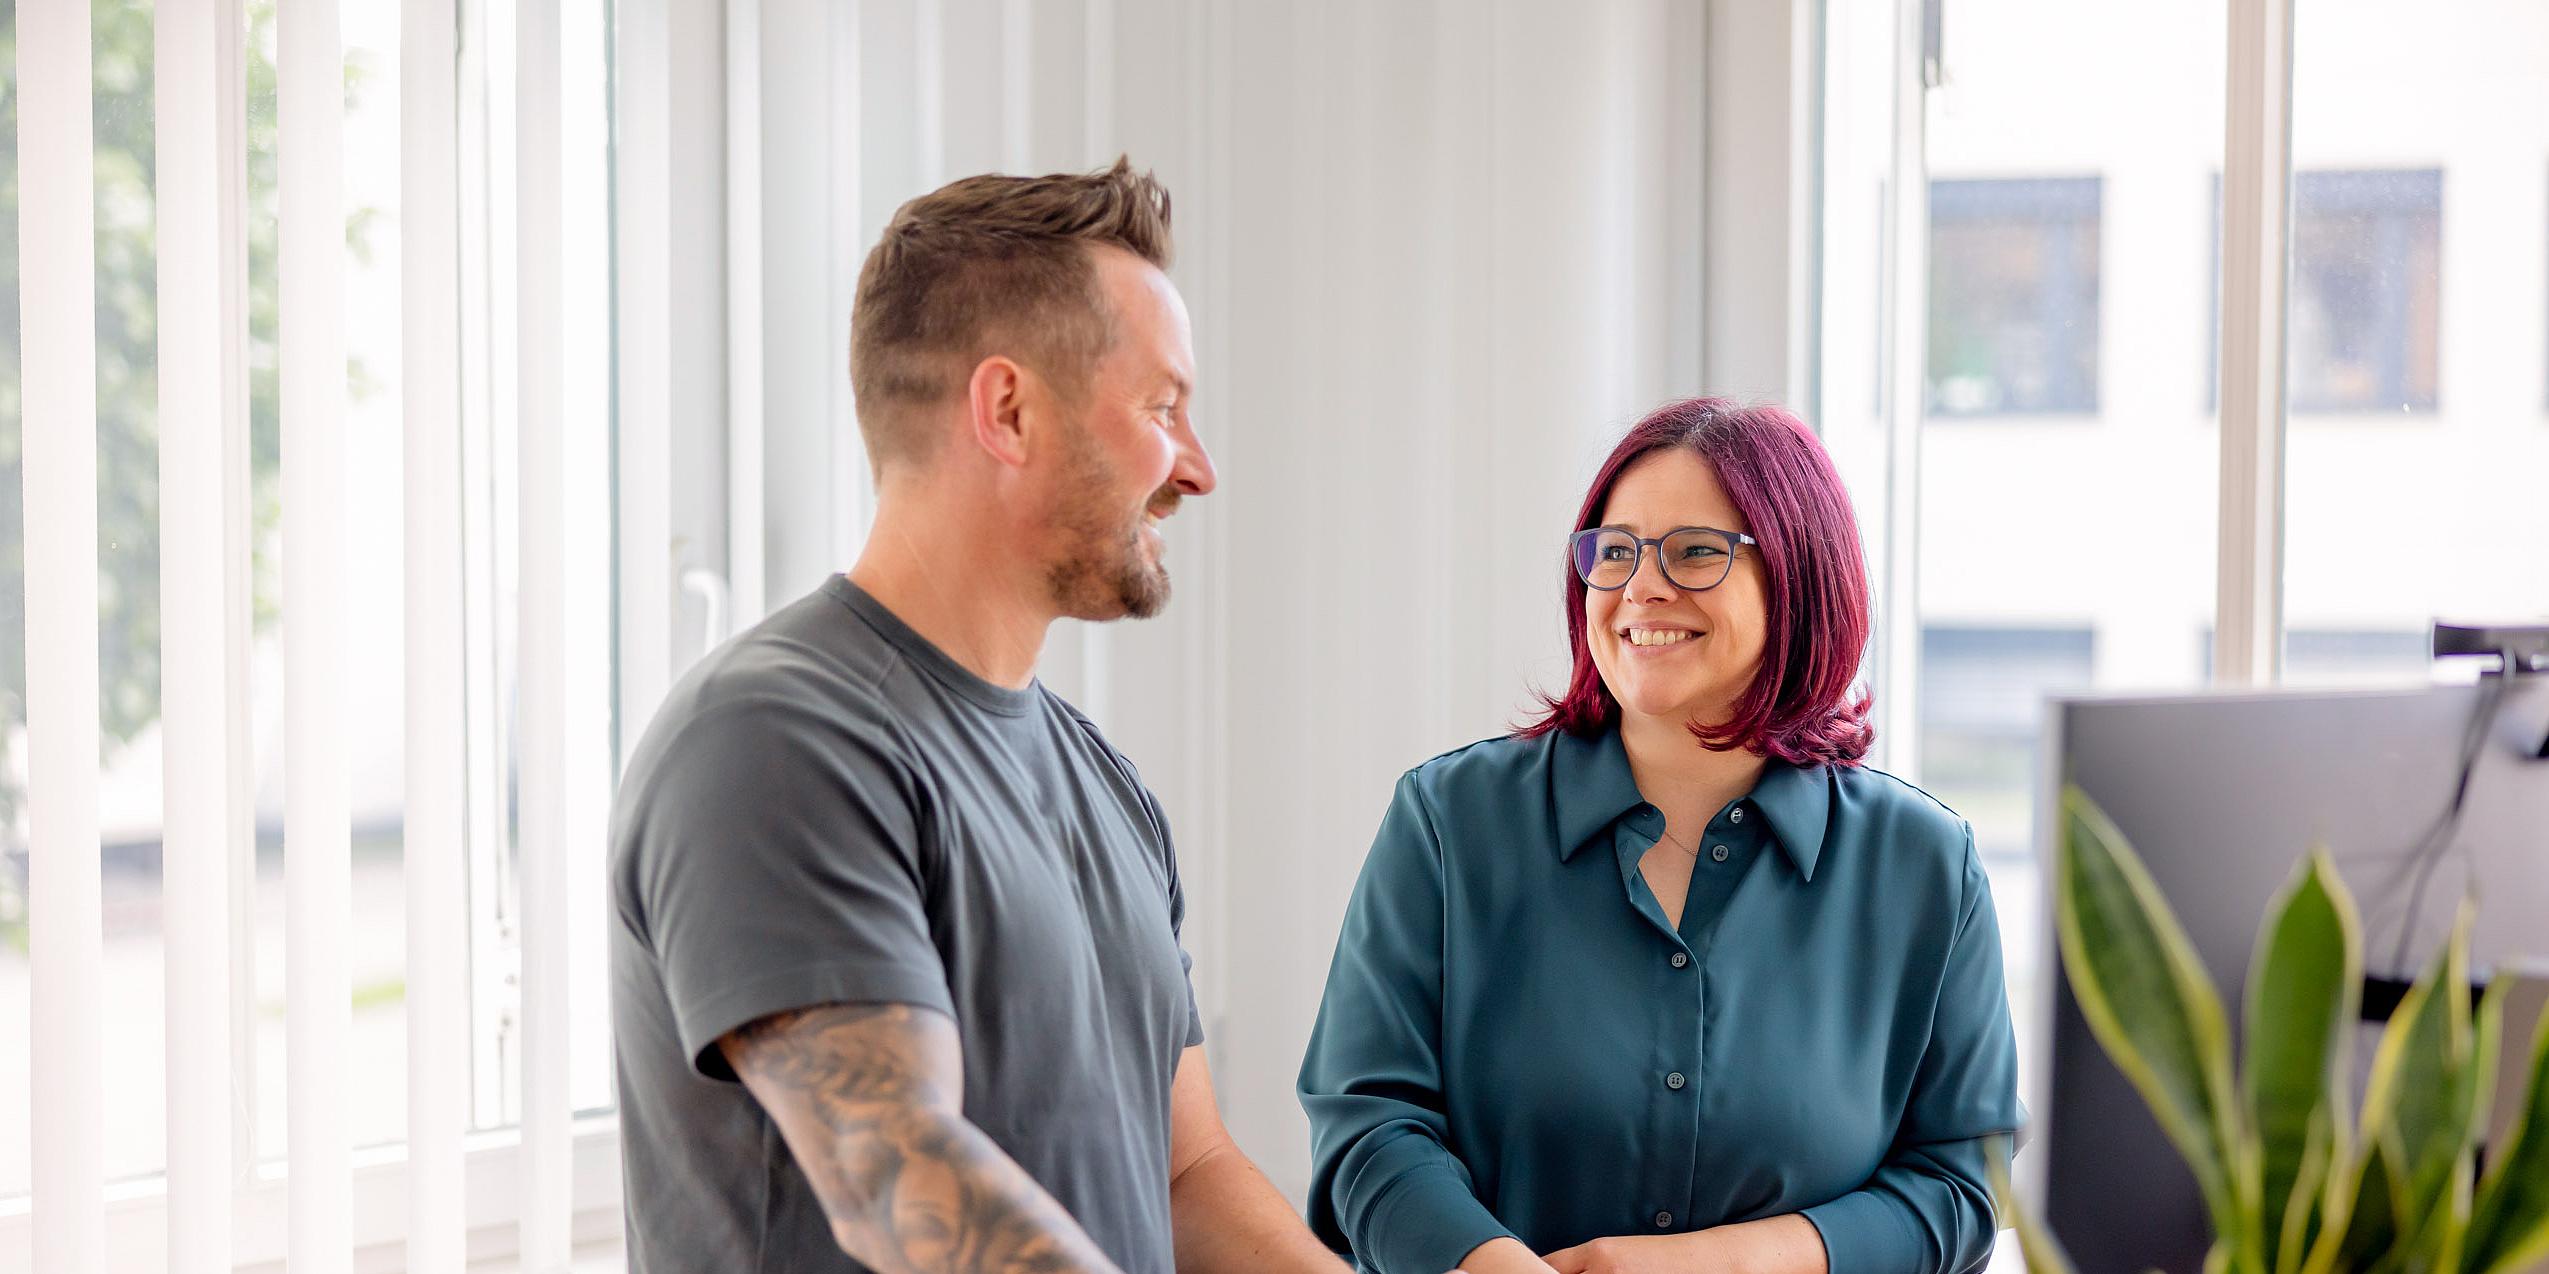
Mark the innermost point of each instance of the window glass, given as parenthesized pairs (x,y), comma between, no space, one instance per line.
(2416,455)
(1982,693)
(2366,284)
(2013,296)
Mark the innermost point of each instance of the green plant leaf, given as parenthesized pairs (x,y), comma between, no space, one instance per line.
(2366,1224)
(2304,995)
(2147,999)
(2036,1244)
(2423,1080)
(2434,1246)
(2305,1209)
(2509,1226)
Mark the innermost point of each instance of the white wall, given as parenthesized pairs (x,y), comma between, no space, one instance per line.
(1447,236)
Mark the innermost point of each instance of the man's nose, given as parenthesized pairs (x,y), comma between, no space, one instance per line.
(1194,473)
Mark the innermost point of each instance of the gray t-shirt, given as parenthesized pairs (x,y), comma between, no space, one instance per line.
(831,810)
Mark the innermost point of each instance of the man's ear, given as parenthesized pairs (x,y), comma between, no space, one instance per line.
(995,403)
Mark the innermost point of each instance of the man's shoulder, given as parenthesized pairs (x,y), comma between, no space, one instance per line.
(813,650)
(781,699)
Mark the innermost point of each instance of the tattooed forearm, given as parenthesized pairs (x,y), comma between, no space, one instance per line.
(869,1099)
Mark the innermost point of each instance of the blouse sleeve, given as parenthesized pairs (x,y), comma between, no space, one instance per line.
(1385,1184)
(1929,1208)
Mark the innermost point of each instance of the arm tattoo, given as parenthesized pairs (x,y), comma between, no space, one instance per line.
(869,1099)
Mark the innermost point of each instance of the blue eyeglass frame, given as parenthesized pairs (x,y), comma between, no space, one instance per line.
(1734,540)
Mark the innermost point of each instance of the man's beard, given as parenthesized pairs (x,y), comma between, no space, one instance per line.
(1102,572)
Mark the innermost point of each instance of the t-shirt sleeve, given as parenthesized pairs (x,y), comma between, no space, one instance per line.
(1177,916)
(781,866)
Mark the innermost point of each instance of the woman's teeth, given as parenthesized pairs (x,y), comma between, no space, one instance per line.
(1659,636)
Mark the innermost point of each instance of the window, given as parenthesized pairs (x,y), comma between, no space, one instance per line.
(131,1007)
(2365,292)
(2013,304)
(2344,657)
(2417,266)
(129,621)
(2056,475)
(2324,657)
(1982,703)
(2070,544)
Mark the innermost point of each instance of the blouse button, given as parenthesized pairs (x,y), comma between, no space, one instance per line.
(1674,1081)
(1681,959)
(1718,853)
(1735,815)
(1663,1220)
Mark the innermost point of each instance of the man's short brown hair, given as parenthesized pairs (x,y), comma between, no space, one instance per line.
(990,265)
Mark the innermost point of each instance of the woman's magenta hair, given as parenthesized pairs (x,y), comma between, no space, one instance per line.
(1798,708)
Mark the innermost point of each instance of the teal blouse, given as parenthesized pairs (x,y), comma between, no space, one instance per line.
(1514,1042)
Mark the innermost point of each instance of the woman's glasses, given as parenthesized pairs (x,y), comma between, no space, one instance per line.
(1694,558)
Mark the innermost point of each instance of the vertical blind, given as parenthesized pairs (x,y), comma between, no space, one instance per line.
(57,290)
(200,118)
(221,1206)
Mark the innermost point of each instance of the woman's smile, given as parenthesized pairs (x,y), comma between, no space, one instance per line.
(1650,641)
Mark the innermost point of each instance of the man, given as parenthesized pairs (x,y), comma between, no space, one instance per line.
(864,862)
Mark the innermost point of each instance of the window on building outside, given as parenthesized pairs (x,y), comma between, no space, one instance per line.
(2366,290)
(2365,293)
(2013,304)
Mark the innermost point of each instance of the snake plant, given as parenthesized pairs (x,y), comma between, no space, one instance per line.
(2295,1181)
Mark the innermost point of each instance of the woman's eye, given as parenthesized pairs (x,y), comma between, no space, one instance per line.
(1614,553)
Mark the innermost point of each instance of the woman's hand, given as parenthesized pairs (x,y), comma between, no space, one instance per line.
(1774,1245)
(1501,1256)
(1638,1254)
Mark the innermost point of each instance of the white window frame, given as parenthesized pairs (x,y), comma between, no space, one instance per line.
(2256,268)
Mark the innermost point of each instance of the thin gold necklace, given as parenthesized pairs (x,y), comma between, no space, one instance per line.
(1677,842)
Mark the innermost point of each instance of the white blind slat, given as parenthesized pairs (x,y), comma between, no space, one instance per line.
(744,547)
(58,331)
(541,683)
(584,502)
(644,220)
(204,581)
(435,863)
(310,107)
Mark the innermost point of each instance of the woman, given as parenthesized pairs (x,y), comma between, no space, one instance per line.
(1667,980)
